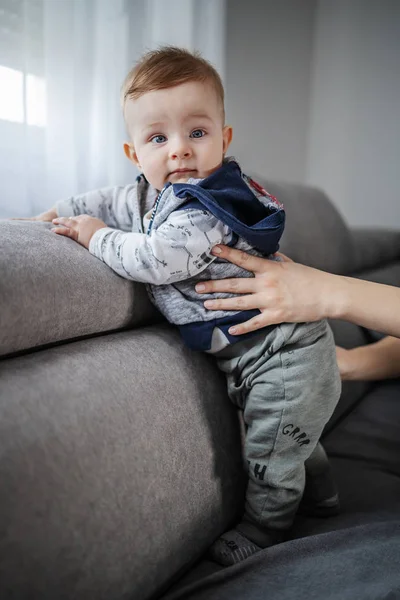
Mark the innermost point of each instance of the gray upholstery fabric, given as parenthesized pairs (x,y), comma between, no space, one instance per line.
(372,247)
(120,461)
(52,289)
(315,232)
(375,419)
(360,563)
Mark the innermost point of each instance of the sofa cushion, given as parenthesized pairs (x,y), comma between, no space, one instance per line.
(120,463)
(315,232)
(370,433)
(355,563)
(52,289)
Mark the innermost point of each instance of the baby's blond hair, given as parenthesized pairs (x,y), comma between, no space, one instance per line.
(166,67)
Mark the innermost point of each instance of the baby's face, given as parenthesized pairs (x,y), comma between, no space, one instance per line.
(177,133)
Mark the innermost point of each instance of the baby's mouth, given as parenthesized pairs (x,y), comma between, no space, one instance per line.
(181,175)
(182,172)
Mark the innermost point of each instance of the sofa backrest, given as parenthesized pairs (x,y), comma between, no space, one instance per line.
(315,232)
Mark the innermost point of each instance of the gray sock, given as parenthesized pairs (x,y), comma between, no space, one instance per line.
(232,547)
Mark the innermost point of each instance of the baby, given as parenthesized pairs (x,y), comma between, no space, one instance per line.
(161,230)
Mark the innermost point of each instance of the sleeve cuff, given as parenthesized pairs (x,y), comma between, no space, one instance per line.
(97,239)
(64,209)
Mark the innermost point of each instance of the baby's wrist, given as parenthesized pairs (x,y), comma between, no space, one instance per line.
(94,245)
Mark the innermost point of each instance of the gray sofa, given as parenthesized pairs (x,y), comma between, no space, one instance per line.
(120,453)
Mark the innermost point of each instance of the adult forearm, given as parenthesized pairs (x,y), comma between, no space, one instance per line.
(368,304)
(377,361)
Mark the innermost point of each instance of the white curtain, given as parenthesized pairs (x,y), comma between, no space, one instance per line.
(62,63)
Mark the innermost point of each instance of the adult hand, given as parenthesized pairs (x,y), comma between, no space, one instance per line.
(283,291)
(47,216)
(80,228)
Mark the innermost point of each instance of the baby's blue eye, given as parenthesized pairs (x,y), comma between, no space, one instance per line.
(197,133)
(158,139)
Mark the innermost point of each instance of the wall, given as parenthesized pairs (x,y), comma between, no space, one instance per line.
(268,80)
(354,144)
(313,93)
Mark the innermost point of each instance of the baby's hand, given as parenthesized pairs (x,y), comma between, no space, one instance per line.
(79,228)
(48,216)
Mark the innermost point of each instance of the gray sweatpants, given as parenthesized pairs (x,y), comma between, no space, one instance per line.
(287,383)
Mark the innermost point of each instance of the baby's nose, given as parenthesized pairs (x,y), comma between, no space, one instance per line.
(180,149)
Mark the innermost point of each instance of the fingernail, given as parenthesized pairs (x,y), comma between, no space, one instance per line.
(232,330)
(208,303)
(200,287)
(216,250)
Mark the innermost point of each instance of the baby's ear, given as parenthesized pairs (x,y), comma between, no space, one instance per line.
(227,134)
(131,154)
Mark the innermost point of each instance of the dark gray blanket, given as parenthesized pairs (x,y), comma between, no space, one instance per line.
(359,563)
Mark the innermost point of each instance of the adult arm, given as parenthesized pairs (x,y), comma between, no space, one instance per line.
(289,292)
(377,361)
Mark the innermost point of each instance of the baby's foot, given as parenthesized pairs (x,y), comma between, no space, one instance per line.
(243,541)
(232,547)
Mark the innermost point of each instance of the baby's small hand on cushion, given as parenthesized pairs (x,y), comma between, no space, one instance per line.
(80,228)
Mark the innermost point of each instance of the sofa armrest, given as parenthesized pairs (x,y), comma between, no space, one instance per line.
(374,247)
(52,289)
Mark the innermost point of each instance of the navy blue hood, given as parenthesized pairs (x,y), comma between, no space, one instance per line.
(229,198)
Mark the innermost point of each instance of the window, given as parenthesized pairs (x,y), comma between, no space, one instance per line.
(22,83)
(22,98)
